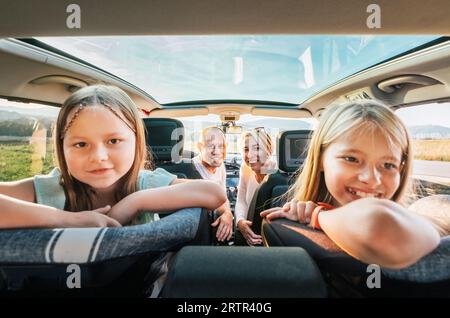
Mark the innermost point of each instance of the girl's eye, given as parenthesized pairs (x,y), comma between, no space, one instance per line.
(114,141)
(350,159)
(81,144)
(389,166)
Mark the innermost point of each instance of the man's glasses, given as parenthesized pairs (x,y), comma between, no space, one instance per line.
(215,147)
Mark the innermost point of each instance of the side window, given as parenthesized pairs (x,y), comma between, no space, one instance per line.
(25,139)
(429,128)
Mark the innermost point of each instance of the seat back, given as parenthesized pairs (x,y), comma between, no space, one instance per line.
(292,147)
(165,138)
(223,272)
(120,261)
(348,277)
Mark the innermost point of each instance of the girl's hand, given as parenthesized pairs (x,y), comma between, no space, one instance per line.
(94,218)
(294,210)
(225,223)
(249,235)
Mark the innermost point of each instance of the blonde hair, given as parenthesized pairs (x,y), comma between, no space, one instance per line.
(435,208)
(338,120)
(261,137)
(78,194)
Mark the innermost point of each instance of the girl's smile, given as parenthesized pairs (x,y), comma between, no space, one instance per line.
(359,193)
(101,171)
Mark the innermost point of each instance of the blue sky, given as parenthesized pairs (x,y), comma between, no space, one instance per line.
(284,68)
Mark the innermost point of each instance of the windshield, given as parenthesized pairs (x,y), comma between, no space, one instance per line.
(268,68)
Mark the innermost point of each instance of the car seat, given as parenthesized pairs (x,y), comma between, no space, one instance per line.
(165,138)
(347,277)
(270,193)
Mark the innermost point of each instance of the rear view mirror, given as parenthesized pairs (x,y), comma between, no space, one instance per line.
(233,129)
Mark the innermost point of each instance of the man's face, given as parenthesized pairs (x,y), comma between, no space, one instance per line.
(213,149)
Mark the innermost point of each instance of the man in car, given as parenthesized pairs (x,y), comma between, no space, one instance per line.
(209,163)
(212,150)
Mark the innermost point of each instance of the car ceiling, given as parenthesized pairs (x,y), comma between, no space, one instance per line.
(19,18)
(38,76)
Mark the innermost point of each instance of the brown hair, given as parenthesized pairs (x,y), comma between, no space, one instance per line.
(78,194)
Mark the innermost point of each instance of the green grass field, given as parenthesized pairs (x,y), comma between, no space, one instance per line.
(17,160)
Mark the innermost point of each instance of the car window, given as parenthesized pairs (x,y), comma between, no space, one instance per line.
(429,128)
(25,139)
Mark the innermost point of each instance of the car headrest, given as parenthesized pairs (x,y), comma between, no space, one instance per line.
(212,272)
(431,268)
(292,148)
(164,137)
(108,260)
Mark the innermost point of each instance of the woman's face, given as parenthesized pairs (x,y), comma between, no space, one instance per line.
(362,165)
(99,148)
(255,154)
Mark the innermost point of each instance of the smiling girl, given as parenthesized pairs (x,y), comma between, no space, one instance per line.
(101,155)
(353,187)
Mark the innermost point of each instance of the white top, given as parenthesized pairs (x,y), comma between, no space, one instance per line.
(247,188)
(219,176)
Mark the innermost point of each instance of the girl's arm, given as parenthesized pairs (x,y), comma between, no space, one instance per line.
(16,213)
(194,193)
(225,219)
(380,232)
(22,189)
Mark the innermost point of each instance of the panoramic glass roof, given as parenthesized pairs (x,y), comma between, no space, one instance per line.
(267,68)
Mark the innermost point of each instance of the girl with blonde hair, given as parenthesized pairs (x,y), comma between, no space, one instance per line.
(353,186)
(101,156)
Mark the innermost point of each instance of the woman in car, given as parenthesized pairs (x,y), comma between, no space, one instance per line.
(256,166)
(353,186)
(101,154)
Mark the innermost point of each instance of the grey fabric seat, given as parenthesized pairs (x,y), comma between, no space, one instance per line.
(212,272)
(429,277)
(271,192)
(165,138)
(122,261)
